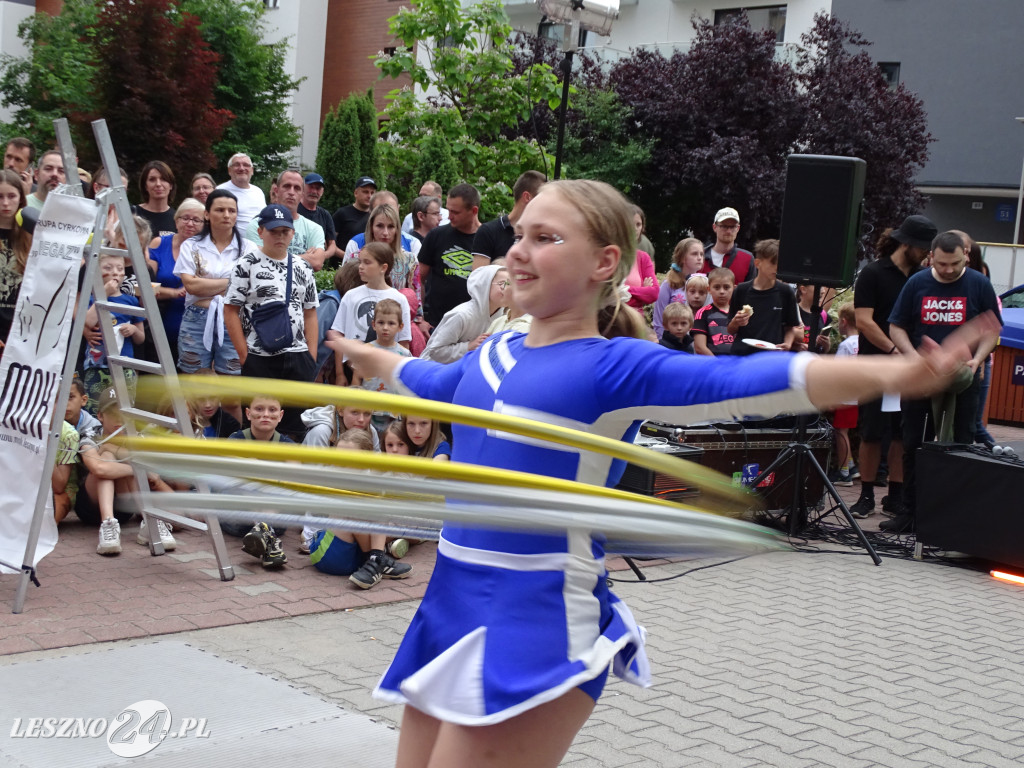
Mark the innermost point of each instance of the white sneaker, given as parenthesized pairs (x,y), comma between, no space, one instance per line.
(110,538)
(163,530)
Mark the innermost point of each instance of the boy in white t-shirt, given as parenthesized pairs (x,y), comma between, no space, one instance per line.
(355,313)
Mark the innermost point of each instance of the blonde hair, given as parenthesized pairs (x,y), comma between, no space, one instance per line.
(391,214)
(609,221)
(357,437)
(677,311)
(676,278)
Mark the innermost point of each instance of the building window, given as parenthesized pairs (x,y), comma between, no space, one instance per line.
(891,72)
(272,5)
(771,17)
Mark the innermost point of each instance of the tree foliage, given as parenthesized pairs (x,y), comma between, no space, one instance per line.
(369,133)
(339,154)
(473,94)
(252,83)
(851,111)
(56,80)
(723,116)
(166,74)
(154,84)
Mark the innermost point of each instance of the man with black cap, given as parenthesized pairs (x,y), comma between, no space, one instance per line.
(933,304)
(350,220)
(260,283)
(310,208)
(900,253)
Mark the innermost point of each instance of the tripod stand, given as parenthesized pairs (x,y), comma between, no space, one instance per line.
(800,452)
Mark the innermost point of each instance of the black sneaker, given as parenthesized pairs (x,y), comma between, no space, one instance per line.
(274,557)
(255,541)
(841,478)
(894,507)
(855,472)
(862,508)
(899,524)
(379,565)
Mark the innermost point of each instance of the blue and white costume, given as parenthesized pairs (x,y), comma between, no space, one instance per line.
(513,620)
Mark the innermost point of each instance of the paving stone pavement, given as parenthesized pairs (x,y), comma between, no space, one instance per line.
(787,659)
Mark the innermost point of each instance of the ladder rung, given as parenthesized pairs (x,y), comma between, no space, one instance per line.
(153,418)
(123,309)
(139,365)
(106,250)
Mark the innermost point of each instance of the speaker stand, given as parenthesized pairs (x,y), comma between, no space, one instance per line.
(798,453)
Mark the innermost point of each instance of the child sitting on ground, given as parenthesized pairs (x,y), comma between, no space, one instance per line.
(110,474)
(845,417)
(711,322)
(95,371)
(678,320)
(427,437)
(211,419)
(360,556)
(263,413)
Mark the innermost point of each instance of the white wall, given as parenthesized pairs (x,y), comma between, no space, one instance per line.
(665,23)
(302,24)
(11,15)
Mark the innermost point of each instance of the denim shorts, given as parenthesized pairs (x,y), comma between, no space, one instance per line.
(193,355)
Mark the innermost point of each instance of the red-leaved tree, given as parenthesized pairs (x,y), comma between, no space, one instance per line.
(852,111)
(724,115)
(155,87)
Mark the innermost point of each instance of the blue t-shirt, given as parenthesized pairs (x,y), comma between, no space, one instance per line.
(95,354)
(171,310)
(926,307)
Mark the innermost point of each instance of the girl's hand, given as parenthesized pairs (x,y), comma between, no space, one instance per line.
(933,368)
(477,341)
(648,282)
(127,329)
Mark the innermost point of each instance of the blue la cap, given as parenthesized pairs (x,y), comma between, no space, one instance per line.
(274,216)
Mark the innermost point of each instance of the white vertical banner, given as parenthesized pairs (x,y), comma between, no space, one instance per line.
(32,366)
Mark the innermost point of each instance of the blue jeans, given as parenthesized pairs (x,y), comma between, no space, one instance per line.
(193,354)
(981,434)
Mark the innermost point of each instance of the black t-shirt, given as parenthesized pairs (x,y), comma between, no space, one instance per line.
(775,311)
(494,238)
(324,219)
(159,223)
(926,307)
(348,222)
(448,254)
(713,323)
(878,285)
(812,326)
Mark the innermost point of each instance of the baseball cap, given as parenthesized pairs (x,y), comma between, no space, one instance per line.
(917,231)
(274,216)
(727,213)
(314,178)
(365,181)
(107,399)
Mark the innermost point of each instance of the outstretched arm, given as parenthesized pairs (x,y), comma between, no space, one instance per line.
(369,361)
(832,381)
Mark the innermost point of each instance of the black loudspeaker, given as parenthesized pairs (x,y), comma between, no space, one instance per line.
(969,502)
(650,483)
(821,216)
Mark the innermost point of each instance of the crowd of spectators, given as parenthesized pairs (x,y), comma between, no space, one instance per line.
(234,272)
